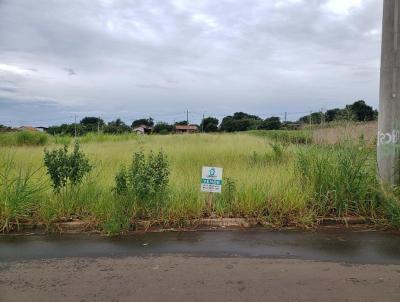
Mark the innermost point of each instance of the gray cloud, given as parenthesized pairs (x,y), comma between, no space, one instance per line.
(70,71)
(8,89)
(149,57)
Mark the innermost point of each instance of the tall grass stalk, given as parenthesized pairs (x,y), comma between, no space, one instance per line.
(341,179)
(20,193)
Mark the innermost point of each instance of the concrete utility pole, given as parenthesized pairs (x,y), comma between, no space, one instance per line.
(389,103)
(75,126)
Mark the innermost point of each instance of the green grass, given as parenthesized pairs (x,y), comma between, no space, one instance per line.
(23,138)
(281,183)
(32,138)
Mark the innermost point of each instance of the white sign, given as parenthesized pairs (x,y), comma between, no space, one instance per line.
(211,179)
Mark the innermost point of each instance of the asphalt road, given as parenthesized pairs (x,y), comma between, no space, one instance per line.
(334,265)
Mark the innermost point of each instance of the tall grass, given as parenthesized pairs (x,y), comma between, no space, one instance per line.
(341,179)
(20,193)
(32,138)
(286,136)
(23,138)
(275,182)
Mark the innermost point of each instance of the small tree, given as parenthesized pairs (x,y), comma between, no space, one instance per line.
(149,122)
(272,123)
(66,169)
(92,124)
(117,127)
(209,124)
(163,128)
(240,121)
(181,123)
(361,111)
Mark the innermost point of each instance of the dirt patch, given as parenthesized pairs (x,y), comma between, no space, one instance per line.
(351,131)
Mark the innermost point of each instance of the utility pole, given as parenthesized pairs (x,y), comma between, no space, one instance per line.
(98,125)
(322,117)
(285,116)
(187,120)
(310,119)
(389,103)
(75,126)
(202,125)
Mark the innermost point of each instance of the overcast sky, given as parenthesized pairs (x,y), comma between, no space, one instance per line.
(158,58)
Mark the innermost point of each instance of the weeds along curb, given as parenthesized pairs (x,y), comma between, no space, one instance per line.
(342,221)
(80,226)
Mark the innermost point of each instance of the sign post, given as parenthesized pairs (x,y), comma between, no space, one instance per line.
(211,182)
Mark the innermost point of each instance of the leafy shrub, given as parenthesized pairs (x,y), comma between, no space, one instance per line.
(66,169)
(146,179)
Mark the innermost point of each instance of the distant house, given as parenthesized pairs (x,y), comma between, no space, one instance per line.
(41,129)
(142,129)
(28,128)
(186,129)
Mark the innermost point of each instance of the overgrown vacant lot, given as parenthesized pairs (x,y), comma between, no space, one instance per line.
(265,177)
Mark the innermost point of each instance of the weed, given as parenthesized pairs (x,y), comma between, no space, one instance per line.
(66,169)
(146,180)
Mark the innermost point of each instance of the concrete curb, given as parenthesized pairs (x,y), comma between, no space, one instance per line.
(342,221)
(80,226)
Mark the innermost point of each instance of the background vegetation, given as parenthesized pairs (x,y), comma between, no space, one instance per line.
(357,112)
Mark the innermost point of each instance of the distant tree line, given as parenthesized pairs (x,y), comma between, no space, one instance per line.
(239,121)
(5,128)
(358,111)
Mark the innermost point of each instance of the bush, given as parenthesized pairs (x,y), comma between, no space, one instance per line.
(66,169)
(146,179)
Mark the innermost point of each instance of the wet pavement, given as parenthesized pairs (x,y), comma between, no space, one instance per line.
(253,265)
(360,247)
